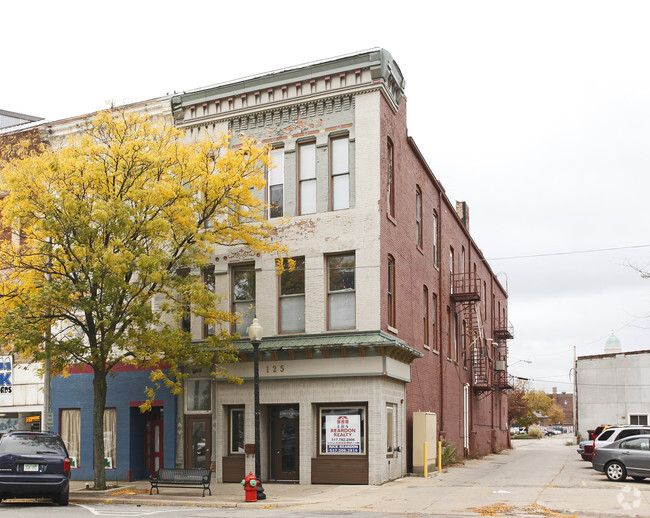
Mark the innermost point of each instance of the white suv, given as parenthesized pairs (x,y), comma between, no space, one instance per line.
(615,433)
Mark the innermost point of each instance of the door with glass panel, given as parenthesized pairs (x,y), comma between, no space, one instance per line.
(153,440)
(198,441)
(284,443)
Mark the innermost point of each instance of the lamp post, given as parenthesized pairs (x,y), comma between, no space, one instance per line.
(255,333)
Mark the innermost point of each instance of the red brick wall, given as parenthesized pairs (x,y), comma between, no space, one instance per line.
(437,384)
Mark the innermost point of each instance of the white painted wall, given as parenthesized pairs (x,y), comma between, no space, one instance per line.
(612,387)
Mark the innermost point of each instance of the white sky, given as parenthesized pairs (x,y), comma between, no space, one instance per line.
(536,113)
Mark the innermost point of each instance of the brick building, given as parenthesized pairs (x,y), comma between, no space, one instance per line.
(391,310)
(565,402)
(396,309)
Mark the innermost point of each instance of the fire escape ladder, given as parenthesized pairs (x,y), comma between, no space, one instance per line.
(480,355)
(500,365)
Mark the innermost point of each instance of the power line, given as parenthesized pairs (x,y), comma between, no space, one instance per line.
(459,261)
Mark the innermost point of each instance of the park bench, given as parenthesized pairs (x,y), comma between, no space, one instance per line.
(181,478)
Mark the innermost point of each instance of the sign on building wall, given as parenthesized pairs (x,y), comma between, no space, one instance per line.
(343,434)
(6,385)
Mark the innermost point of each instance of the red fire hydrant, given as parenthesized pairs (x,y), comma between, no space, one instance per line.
(250,486)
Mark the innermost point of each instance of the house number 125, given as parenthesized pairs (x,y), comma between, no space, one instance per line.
(273,369)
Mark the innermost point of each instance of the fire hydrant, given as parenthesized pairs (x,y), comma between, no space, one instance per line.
(250,486)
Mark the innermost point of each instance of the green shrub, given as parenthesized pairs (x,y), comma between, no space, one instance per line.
(448,454)
(535,432)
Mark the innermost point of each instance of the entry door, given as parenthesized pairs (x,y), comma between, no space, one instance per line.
(198,441)
(284,444)
(153,440)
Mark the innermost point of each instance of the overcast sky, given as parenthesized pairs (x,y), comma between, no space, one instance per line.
(537,114)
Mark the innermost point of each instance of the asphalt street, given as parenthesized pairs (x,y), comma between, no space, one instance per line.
(538,478)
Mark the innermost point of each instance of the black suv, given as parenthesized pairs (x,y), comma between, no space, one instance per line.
(34,465)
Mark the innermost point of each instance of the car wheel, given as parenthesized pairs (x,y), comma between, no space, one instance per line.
(638,479)
(615,471)
(63,498)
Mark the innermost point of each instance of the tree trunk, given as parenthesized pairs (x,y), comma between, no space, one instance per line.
(99,403)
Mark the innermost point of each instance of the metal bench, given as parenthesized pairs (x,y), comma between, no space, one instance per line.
(181,478)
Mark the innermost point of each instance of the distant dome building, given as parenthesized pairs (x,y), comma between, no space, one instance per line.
(612,345)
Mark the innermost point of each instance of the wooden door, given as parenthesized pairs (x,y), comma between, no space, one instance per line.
(285,448)
(198,441)
(153,440)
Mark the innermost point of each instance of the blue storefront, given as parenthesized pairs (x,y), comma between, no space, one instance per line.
(134,443)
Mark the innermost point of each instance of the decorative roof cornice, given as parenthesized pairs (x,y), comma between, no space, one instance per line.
(357,73)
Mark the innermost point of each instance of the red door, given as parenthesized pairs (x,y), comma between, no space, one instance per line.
(153,440)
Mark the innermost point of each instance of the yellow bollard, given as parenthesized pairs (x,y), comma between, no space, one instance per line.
(439,456)
(426,471)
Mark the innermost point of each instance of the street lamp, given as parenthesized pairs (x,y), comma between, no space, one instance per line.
(255,333)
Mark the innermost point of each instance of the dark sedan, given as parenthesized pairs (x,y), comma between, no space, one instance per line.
(629,456)
(34,465)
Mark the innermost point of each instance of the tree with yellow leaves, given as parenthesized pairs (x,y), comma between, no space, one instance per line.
(109,221)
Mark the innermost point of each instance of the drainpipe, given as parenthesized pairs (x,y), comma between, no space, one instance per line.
(441,356)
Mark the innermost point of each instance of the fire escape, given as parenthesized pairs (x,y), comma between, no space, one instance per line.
(503,331)
(486,357)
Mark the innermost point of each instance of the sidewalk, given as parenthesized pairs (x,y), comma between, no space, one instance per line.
(223,495)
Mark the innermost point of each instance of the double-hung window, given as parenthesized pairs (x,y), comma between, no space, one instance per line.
(243,296)
(307,177)
(276,184)
(208,281)
(435,239)
(425,316)
(434,320)
(186,314)
(340,170)
(391,291)
(418,217)
(341,296)
(391,178)
(292,298)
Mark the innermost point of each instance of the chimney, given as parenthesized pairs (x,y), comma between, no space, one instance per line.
(554,393)
(463,213)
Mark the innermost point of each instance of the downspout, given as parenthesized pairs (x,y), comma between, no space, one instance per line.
(439,318)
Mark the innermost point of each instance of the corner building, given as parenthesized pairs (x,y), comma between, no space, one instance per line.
(391,309)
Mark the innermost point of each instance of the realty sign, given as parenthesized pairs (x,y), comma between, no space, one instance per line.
(343,434)
(6,385)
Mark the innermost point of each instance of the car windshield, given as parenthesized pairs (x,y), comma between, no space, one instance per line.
(605,435)
(31,445)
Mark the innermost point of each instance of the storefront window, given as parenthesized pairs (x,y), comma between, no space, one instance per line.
(236,430)
(199,396)
(110,439)
(390,428)
(71,434)
(343,431)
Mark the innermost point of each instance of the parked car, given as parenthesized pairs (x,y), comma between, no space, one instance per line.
(586,448)
(34,465)
(628,456)
(615,433)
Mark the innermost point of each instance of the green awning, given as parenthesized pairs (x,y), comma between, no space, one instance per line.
(330,341)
